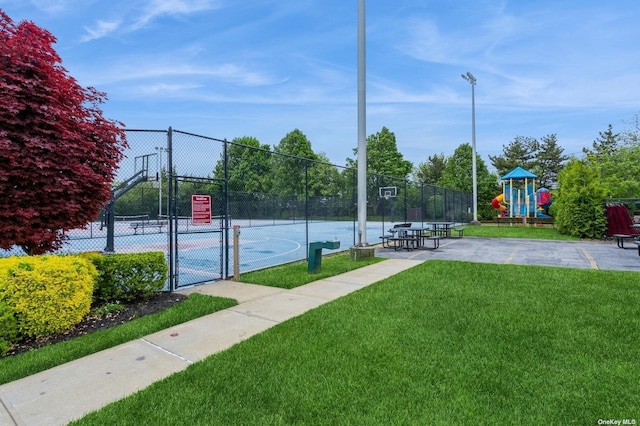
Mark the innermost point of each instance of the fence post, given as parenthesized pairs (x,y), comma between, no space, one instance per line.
(306,204)
(172,220)
(236,252)
(225,196)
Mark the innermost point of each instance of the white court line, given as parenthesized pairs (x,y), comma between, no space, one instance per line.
(297,244)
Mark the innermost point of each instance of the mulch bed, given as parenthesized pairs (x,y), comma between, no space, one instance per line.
(91,323)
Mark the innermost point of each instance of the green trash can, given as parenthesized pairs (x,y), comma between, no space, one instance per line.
(315,254)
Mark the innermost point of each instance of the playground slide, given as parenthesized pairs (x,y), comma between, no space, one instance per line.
(496,203)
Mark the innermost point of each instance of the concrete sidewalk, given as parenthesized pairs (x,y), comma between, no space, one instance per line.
(69,391)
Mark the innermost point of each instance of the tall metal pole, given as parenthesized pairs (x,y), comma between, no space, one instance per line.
(171,217)
(472,80)
(362,127)
(159,165)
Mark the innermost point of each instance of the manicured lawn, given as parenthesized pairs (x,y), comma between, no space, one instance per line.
(442,343)
(28,363)
(296,274)
(505,231)
(196,305)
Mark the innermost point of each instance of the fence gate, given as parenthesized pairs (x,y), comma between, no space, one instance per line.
(196,231)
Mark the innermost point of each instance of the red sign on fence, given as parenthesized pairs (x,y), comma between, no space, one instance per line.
(201,209)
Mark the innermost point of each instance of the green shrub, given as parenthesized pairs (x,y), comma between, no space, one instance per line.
(47,294)
(128,276)
(8,328)
(578,208)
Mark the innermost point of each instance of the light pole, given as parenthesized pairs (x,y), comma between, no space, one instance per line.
(472,80)
(159,150)
(362,127)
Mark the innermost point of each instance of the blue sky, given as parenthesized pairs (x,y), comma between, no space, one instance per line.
(262,68)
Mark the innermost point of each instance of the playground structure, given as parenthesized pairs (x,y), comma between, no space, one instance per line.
(519,198)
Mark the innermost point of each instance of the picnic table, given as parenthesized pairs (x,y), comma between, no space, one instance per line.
(393,234)
(414,237)
(441,229)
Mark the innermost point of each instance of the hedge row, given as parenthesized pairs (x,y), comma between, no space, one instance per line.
(44,295)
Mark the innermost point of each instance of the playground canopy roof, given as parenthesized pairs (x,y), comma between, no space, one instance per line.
(518,174)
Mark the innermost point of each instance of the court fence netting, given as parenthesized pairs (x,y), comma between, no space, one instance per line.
(183,194)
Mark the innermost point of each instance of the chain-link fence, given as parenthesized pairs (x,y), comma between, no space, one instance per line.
(280,202)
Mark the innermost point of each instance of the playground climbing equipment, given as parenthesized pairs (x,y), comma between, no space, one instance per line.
(519,198)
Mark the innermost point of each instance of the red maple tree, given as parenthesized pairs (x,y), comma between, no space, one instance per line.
(58,154)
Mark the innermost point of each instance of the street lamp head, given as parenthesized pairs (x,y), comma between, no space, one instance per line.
(470,78)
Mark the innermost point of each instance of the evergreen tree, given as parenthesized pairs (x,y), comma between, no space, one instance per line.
(578,205)
(430,172)
(521,152)
(605,146)
(549,162)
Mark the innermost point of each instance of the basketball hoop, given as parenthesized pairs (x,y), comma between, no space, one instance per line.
(388,192)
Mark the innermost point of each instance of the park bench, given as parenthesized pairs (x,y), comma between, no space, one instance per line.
(459,231)
(541,221)
(385,240)
(621,238)
(143,225)
(404,242)
(509,221)
(435,240)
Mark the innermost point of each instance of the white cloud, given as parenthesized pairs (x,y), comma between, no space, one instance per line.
(157,8)
(134,19)
(101,29)
(165,88)
(57,6)
(240,76)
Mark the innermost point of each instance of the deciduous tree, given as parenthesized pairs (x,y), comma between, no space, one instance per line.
(58,154)
(458,175)
(383,157)
(249,166)
(385,164)
(617,159)
(291,167)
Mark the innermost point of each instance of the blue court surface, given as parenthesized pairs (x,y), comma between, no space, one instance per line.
(202,255)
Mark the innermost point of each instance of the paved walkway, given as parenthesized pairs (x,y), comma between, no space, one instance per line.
(603,255)
(67,392)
